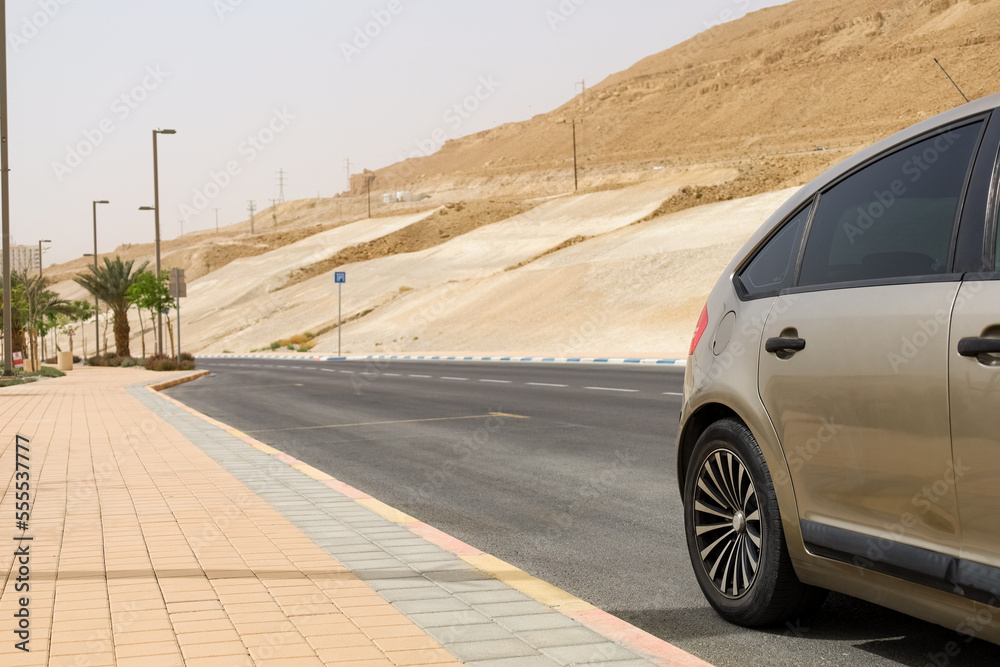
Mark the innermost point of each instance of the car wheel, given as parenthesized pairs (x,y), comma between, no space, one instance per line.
(734,533)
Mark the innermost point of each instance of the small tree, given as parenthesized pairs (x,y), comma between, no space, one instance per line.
(151,294)
(83,313)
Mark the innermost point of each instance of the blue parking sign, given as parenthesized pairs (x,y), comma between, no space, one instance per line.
(340,277)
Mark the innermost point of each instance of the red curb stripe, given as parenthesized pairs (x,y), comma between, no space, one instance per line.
(653,648)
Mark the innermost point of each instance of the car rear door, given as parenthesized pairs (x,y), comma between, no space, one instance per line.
(854,359)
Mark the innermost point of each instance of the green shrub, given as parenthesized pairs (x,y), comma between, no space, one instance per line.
(162,362)
(275,345)
(47,372)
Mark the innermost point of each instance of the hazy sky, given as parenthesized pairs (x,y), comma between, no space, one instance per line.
(257,85)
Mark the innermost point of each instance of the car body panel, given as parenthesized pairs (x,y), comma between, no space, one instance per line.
(862,412)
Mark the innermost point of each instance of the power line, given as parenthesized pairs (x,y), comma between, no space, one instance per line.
(274,213)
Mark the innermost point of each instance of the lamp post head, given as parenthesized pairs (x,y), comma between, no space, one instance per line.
(102,201)
(45,240)
(146,208)
(166,131)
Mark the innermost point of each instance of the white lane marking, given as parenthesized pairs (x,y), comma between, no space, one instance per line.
(673,393)
(457,379)
(348,372)
(546,384)
(497,381)
(328,370)
(392,375)
(421,376)
(311,368)
(628,391)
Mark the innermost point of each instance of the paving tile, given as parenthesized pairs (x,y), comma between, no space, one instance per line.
(492,649)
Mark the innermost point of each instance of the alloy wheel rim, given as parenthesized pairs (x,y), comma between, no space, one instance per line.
(727,523)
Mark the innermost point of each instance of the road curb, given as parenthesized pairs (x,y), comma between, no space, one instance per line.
(638,641)
(496,359)
(178,381)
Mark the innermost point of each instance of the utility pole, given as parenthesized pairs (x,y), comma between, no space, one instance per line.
(216,221)
(368,183)
(182,226)
(8,313)
(253,209)
(583,91)
(274,212)
(281,185)
(347,169)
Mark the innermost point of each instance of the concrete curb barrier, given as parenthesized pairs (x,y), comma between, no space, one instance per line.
(173,383)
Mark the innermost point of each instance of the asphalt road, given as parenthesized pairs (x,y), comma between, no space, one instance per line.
(565,471)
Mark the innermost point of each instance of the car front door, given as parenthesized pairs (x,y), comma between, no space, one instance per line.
(854,360)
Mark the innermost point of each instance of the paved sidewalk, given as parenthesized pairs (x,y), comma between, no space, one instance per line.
(161,538)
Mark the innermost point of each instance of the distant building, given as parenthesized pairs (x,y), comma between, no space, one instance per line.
(397,197)
(24,258)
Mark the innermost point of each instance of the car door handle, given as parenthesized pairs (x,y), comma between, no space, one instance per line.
(775,345)
(973,347)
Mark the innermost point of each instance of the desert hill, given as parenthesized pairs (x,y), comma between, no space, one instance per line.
(770,87)
(744,109)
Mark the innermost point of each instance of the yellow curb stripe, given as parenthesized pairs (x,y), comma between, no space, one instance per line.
(533,587)
(312,472)
(385,511)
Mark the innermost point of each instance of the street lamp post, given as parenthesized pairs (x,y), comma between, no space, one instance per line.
(8,313)
(97,304)
(156,216)
(40,242)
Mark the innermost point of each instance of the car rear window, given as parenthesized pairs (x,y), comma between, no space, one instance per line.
(894,218)
(773,268)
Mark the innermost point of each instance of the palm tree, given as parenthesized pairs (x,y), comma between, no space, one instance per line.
(40,306)
(110,284)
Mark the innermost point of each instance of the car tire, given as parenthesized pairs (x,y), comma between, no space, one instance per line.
(734,533)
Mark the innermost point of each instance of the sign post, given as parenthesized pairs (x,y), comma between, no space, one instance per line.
(178,288)
(340,277)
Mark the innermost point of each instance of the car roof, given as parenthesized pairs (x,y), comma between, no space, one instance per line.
(972,109)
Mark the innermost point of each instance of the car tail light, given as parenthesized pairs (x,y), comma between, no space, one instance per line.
(699,330)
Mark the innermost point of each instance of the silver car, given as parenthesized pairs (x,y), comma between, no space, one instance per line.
(841,419)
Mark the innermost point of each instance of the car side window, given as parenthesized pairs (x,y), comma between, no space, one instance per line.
(773,268)
(894,218)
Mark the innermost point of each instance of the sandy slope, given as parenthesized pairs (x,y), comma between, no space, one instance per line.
(632,292)
(312,305)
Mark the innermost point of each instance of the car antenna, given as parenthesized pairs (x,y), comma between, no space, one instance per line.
(951,79)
